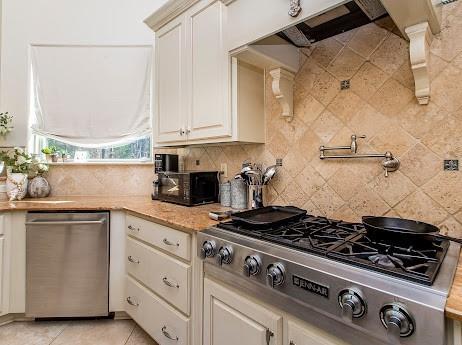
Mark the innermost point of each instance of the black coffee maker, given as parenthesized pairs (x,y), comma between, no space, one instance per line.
(163,162)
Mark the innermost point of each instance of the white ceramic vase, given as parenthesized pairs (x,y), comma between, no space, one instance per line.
(39,187)
(16,186)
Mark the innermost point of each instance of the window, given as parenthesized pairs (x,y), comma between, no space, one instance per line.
(92,102)
(138,150)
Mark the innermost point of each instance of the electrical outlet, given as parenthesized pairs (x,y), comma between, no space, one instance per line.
(198,162)
(279,162)
(224,169)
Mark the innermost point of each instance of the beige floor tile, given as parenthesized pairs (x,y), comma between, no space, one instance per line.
(104,332)
(140,337)
(30,333)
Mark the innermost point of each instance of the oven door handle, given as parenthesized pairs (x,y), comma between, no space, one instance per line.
(66,222)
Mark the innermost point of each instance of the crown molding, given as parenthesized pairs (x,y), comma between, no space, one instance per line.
(167,12)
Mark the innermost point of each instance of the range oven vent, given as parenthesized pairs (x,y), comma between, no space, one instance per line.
(340,19)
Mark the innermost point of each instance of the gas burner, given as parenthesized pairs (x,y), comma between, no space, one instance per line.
(349,242)
(386,261)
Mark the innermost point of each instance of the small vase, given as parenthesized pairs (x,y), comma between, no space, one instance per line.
(16,186)
(39,187)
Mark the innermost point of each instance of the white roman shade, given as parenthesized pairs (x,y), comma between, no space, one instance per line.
(91,96)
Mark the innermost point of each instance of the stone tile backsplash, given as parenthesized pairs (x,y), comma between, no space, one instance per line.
(379,104)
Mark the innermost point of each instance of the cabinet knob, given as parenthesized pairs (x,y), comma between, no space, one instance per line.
(181,131)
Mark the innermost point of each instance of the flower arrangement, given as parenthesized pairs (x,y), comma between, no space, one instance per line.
(38,168)
(5,123)
(17,160)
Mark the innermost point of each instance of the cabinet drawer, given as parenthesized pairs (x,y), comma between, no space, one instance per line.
(155,316)
(163,274)
(165,238)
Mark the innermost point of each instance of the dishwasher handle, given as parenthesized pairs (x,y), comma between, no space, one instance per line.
(66,222)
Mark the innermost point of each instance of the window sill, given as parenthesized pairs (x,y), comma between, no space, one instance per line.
(102,163)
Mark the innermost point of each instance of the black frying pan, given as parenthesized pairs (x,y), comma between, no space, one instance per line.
(387,228)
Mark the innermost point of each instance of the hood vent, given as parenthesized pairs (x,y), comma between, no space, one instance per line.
(343,18)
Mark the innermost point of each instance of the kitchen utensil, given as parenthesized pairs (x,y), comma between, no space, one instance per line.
(269,173)
(219,215)
(403,229)
(255,198)
(269,216)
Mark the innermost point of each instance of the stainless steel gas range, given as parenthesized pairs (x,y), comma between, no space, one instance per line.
(333,275)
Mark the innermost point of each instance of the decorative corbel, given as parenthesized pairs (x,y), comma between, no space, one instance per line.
(283,89)
(420,38)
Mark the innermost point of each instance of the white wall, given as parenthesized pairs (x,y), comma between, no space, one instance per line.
(27,22)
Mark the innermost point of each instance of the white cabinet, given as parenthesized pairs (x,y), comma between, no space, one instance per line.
(197,99)
(231,319)
(2,276)
(208,71)
(309,335)
(170,90)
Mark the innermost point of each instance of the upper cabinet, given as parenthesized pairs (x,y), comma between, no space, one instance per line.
(196,96)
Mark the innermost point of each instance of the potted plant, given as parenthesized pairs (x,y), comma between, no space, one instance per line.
(17,163)
(5,123)
(38,185)
(51,154)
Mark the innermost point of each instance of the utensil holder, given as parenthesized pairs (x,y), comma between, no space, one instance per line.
(238,194)
(255,198)
(225,194)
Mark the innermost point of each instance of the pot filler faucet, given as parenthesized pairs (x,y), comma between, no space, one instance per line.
(389,162)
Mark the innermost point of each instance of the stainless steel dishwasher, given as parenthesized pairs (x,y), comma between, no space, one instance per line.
(67,264)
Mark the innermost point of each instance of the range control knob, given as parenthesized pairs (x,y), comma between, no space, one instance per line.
(398,321)
(252,265)
(352,303)
(275,274)
(225,255)
(208,249)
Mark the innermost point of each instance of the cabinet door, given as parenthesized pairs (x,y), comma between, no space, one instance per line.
(309,335)
(209,113)
(169,75)
(231,319)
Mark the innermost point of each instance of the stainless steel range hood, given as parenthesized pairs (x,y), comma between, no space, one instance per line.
(345,17)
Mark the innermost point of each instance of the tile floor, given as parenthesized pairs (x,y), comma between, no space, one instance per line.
(100,332)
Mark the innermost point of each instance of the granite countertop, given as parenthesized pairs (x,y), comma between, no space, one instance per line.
(190,219)
(453,308)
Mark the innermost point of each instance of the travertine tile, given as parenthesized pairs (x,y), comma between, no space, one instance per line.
(346,214)
(391,98)
(368,121)
(277,145)
(394,139)
(294,195)
(327,201)
(346,64)
(444,137)
(311,208)
(436,65)
(366,202)
(393,188)
(140,337)
(451,227)
(102,332)
(446,91)
(325,51)
(310,181)
(30,333)
(367,39)
(446,190)
(346,36)
(391,54)
(294,162)
(419,206)
(367,80)
(326,126)
(346,105)
(281,180)
(404,75)
(308,144)
(447,44)
(308,108)
(325,87)
(346,183)
(420,164)
(417,120)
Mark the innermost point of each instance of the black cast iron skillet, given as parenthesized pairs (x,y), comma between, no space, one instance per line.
(397,229)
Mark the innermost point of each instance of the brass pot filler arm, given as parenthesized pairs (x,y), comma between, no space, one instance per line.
(389,163)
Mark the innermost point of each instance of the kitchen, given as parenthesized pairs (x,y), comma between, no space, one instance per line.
(348,108)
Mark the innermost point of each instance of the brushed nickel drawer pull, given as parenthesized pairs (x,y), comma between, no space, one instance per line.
(132,228)
(167,335)
(168,243)
(130,301)
(130,258)
(292,343)
(170,284)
